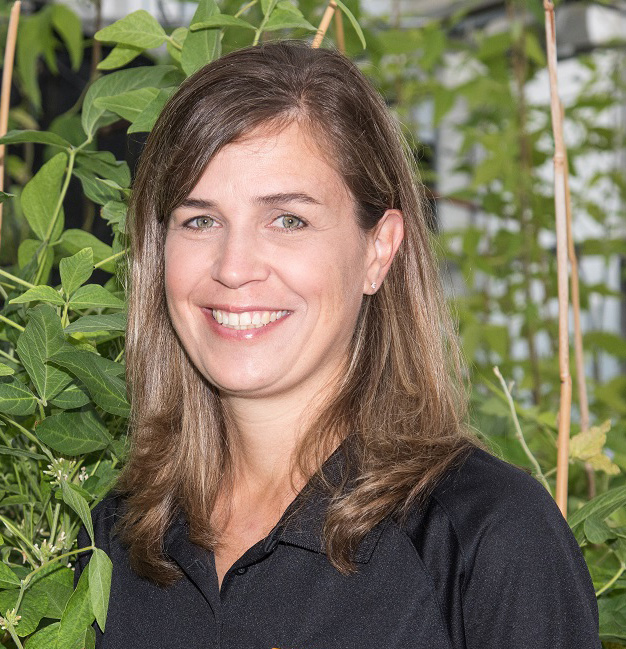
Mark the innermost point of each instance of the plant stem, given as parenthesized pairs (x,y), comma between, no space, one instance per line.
(111,258)
(10,322)
(17,280)
(518,431)
(259,31)
(11,630)
(611,581)
(30,436)
(245,8)
(326,18)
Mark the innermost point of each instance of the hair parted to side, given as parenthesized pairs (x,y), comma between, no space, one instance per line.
(401,400)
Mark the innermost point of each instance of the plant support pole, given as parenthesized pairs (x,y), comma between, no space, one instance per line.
(326,18)
(560,203)
(7,76)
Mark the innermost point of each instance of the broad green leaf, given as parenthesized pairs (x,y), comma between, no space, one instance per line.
(353,21)
(104,164)
(267,6)
(600,507)
(44,638)
(93,187)
(74,240)
(38,137)
(39,294)
(6,370)
(119,56)
(115,211)
(31,251)
(42,338)
(69,27)
(128,105)
(178,36)
(115,84)
(73,433)
(72,396)
(204,46)
(16,399)
(149,115)
(19,452)
(221,20)
(104,322)
(77,616)
(58,583)
(100,570)
(607,341)
(40,197)
(283,19)
(95,296)
(32,609)
(596,530)
(76,270)
(5,197)
(105,388)
(7,577)
(139,29)
(32,33)
(72,498)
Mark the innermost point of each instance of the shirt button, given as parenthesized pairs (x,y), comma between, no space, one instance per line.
(241,571)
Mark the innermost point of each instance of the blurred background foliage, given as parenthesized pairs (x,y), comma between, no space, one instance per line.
(467,80)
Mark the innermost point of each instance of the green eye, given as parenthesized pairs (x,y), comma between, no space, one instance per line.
(290,222)
(202,222)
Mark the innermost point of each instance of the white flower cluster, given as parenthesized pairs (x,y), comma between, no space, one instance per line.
(60,469)
(11,618)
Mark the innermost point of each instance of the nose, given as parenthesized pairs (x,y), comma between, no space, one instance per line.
(240,259)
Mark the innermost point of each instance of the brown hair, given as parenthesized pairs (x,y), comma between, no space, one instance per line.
(401,400)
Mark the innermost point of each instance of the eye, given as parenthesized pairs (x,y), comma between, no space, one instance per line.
(290,222)
(200,223)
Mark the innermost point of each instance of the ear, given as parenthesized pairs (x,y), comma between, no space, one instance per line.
(383,243)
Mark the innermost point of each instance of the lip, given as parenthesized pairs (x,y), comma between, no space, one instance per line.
(241,334)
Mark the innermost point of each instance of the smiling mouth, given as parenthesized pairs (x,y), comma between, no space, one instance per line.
(247,319)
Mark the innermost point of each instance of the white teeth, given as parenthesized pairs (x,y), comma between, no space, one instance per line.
(248,319)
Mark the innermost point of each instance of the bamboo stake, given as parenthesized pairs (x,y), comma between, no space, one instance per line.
(560,202)
(339,35)
(583,402)
(326,18)
(7,76)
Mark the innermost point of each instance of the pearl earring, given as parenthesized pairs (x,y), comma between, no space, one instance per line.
(374,285)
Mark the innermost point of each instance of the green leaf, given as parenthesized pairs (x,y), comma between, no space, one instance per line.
(609,342)
(267,6)
(57,581)
(178,36)
(32,609)
(105,388)
(69,27)
(596,530)
(600,507)
(221,20)
(72,498)
(93,296)
(5,197)
(74,240)
(104,164)
(100,570)
(7,577)
(78,614)
(76,270)
(105,322)
(204,46)
(128,105)
(353,21)
(73,433)
(40,197)
(42,338)
(33,31)
(283,19)
(19,452)
(5,370)
(115,211)
(93,187)
(41,293)
(16,399)
(38,137)
(139,29)
(31,252)
(44,638)
(72,396)
(119,56)
(115,84)
(149,115)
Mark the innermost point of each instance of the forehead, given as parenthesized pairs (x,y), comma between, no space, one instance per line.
(289,159)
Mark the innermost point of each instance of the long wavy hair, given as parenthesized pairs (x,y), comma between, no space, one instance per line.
(401,400)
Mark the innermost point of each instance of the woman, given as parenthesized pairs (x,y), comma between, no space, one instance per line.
(300,475)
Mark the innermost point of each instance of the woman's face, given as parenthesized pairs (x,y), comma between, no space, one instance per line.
(265,267)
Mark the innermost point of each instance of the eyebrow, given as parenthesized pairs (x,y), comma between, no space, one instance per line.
(268,199)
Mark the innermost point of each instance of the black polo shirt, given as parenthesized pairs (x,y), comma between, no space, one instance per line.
(487,563)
